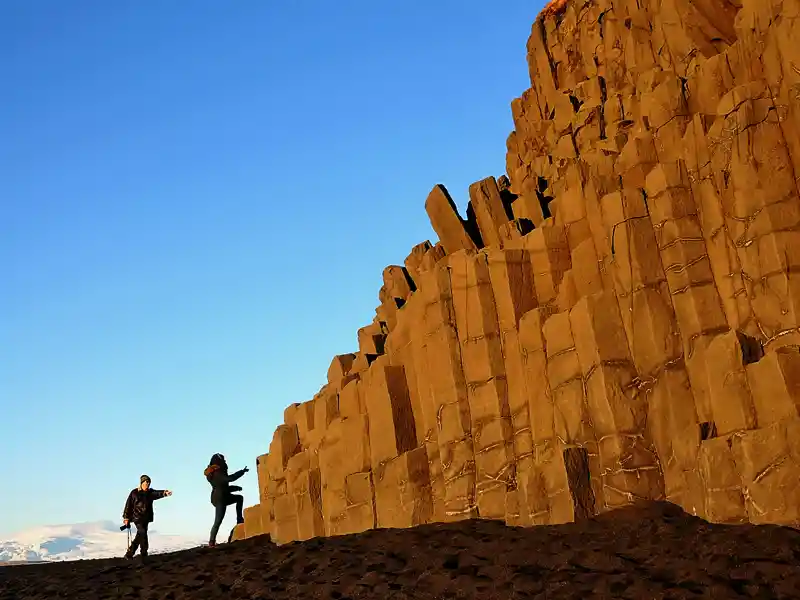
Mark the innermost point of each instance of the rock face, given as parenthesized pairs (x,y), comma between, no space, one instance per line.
(615,320)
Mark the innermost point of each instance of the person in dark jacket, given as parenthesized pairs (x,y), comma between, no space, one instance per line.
(222,494)
(139,511)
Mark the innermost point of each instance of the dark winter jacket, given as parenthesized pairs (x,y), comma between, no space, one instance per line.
(139,506)
(217,475)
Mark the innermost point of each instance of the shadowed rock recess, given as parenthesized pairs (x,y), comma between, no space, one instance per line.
(614,320)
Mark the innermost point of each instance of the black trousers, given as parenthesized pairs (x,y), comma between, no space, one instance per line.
(140,540)
(220,511)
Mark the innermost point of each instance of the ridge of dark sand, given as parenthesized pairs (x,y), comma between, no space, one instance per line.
(649,551)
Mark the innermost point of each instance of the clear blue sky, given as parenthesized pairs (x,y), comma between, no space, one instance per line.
(197,200)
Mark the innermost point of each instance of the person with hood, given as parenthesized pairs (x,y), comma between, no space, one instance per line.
(139,510)
(222,494)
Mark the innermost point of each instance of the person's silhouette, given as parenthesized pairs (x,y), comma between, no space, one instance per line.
(222,494)
(139,510)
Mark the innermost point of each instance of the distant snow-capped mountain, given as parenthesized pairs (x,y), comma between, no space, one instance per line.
(101,539)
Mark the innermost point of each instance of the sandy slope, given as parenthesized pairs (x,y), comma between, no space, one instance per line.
(655,551)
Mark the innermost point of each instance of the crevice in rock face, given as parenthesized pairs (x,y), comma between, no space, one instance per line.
(402,411)
(412,286)
(726,178)
(708,430)
(579,479)
(399,302)
(719,45)
(752,349)
(550,60)
(471,226)
(507,197)
(603,99)
(601,21)
(685,91)
(625,221)
(544,201)
(541,183)
(573,137)
(576,103)
(379,341)
(525,226)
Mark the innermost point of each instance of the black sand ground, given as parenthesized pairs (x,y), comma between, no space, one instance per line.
(655,551)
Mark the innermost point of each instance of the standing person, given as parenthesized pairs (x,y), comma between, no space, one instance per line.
(222,494)
(139,510)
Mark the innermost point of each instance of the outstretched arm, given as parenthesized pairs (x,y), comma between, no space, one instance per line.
(159,494)
(237,475)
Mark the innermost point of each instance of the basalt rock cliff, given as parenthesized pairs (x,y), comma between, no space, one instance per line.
(614,320)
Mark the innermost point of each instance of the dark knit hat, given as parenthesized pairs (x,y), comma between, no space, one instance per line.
(144,478)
